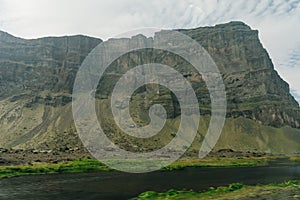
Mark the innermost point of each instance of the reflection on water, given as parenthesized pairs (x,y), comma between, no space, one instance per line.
(118,185)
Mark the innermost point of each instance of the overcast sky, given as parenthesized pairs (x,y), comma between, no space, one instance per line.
(277,21)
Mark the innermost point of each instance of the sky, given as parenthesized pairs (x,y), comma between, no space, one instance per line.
(277,21)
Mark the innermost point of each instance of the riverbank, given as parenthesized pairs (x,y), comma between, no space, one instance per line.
(80,165)
(92,165)
(286,190)
(26,162)
(31,156)
(120,185)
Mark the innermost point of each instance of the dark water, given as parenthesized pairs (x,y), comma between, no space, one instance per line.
(117,185)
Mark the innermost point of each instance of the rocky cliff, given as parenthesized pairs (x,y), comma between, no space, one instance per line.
(36,80)
(254,89)
(37,76)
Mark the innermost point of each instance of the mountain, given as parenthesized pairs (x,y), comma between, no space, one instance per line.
(37,76)
(36,80)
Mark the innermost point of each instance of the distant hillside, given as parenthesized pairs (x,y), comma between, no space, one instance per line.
(37,76)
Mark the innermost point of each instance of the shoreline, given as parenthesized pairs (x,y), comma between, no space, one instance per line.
(93,165)
(289,189)
(31,156)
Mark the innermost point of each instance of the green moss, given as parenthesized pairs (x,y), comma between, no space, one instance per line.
(80,165)
(218,162)
(92,165)
(233,191)
(295,159)
(287,183)
(187,194)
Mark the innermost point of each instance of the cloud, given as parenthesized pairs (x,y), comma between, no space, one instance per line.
(296,95)
(276,20)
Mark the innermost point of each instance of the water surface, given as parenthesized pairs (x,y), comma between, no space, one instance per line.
(118,185)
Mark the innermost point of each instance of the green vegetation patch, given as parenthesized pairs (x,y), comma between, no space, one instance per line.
(184,194)
(92,165)
(219,162)
(233,191)
(295,159)
(80,165)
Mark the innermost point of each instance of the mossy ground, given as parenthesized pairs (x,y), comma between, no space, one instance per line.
(92,165)
(80,165)
(233,191)
(220,162)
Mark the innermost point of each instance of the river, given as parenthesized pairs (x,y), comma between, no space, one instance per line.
(118,185)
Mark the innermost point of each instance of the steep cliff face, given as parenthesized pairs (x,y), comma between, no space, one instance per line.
(41,64)
(254,89)
(37,76)
(36,80)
